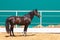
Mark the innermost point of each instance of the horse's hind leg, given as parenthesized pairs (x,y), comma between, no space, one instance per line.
(12,30)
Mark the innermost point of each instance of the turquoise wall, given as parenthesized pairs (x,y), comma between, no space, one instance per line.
(33,4)
(29,4)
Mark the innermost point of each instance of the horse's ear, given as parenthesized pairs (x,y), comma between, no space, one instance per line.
(36,10)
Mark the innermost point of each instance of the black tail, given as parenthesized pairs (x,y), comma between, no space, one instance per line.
(7,26)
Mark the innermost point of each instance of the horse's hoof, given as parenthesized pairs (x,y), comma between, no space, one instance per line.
(13,35)
(10,35)
(24,34)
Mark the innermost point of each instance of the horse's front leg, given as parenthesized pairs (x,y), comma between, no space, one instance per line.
(25,30)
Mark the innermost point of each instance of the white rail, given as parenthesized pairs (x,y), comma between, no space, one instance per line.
(29,10)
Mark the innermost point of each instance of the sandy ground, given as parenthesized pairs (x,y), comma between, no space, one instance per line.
(30,36)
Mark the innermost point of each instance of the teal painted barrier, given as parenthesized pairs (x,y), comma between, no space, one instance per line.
(29,4)
(50,18)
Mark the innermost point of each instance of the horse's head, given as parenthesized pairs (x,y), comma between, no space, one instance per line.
(36,13)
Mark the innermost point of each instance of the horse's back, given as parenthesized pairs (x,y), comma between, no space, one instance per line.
(14,17)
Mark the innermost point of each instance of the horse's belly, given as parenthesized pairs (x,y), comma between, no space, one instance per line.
(17,22)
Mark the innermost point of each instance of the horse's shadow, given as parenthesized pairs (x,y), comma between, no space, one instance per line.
(20,35)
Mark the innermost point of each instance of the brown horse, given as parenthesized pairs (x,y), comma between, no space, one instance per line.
(24,20)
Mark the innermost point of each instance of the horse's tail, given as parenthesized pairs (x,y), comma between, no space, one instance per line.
(7,26)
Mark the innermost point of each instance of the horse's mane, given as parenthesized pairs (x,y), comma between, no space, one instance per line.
(29,13)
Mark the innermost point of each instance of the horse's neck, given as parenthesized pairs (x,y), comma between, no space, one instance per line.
(30,15)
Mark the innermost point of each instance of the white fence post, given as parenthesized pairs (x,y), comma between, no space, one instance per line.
(40,18)
(16,15)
